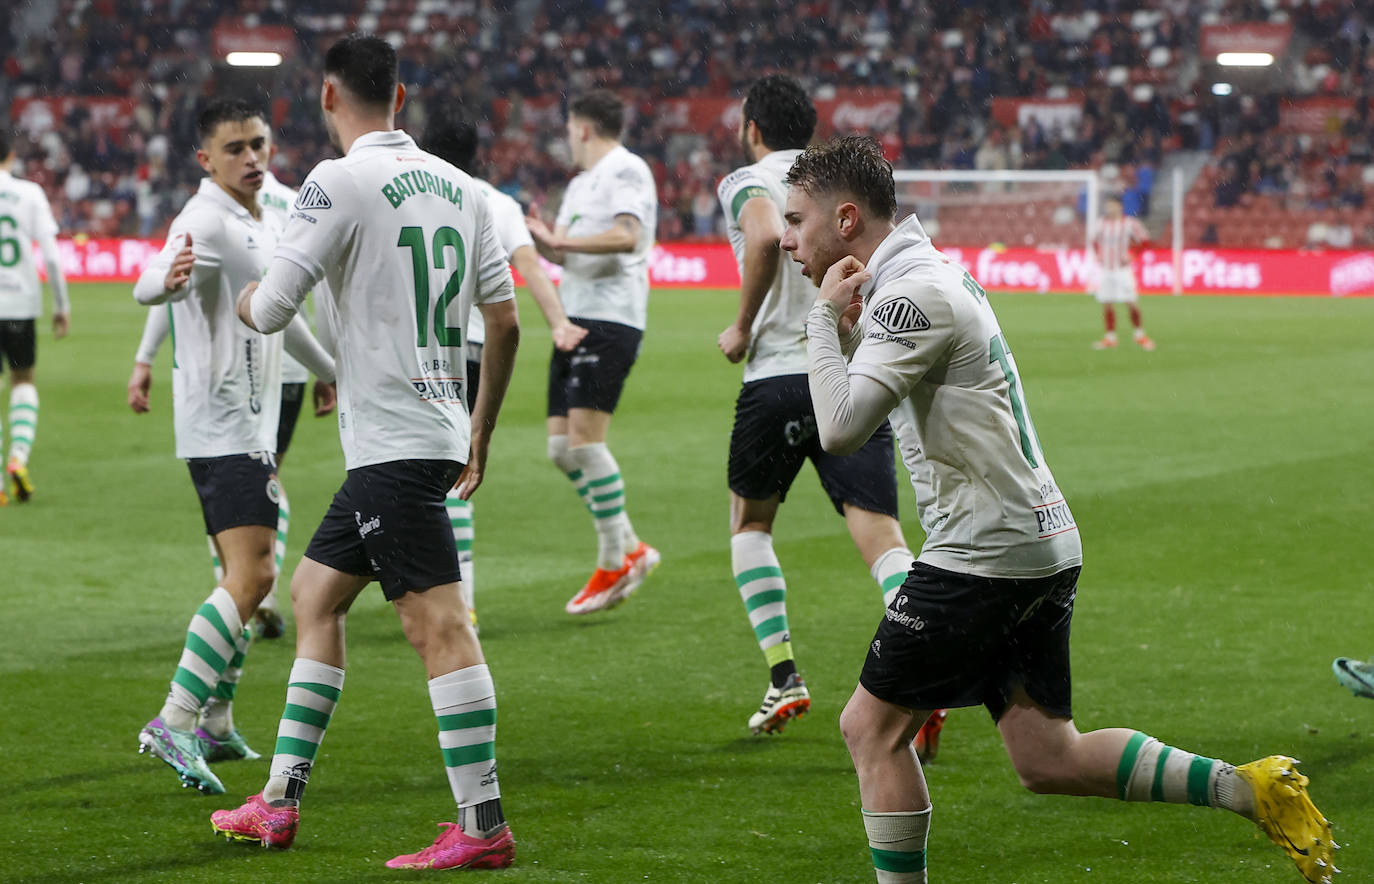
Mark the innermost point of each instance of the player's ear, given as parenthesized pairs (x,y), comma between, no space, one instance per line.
(848,220)
(329,96)
(400,98)
(203,158)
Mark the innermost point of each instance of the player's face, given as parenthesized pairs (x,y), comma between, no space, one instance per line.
(237,153)
(812,234)
(1112,209)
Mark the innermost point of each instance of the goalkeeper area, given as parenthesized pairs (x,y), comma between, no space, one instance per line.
(1221,485)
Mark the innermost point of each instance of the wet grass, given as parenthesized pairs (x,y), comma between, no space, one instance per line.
(1222,484)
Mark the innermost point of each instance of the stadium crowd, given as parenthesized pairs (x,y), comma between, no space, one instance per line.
(1133,63)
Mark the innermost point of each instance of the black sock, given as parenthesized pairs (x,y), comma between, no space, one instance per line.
(779,673)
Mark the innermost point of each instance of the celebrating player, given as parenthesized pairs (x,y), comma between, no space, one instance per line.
(407,244)
(775,428)
(25,216)
(275,198)
(454,140)
(226,395)
(602,237)
(1115,241)
(983,617)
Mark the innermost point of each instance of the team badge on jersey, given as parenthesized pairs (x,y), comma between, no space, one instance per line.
(901,315)
(312,196)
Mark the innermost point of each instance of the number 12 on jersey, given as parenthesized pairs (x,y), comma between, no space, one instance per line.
(445,238)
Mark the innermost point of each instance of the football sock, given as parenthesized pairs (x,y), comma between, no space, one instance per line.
(898,844)
(764,591)
(23,420)
(312,692)
(211,643)
(562,458)
(279,546)
(217,718)
(460,517)
(214,559)
(1136,320)
(890,570)
(605,497)
(465,705)
(1109,317)
(1152,771)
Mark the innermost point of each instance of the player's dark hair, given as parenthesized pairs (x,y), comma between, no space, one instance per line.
(226,110)
(452,137)
(853,165)
(782,110)
(1112,197)
(367,66)
(603,109)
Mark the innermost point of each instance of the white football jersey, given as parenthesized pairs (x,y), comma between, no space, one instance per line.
(1113,239)
(512,233)
(407,245)
(777,343)
(25,217)
(226,378)
(987,499)
(277,198)
(612,288)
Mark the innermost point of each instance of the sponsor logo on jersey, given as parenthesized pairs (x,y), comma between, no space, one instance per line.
(901,618)
(274,490)
(367,526)
(312,197)
(1053,518)
(901,315)
(272,201)
(877,647)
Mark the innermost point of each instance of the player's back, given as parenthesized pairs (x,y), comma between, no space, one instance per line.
(25,216)
(778,345)
(406,245)
(988,500)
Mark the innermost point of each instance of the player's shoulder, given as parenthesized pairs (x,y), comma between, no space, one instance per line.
(630,168)
(201,217)
(744,176)
(497,200)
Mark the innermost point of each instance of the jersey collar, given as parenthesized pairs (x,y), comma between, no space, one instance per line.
(888,258)
(393,138)
(217,195)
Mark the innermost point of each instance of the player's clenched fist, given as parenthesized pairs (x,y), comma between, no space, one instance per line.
(180,272)
(841,288)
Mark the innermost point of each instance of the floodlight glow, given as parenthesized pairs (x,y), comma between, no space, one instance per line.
(254,59)
(1221,88)
(1245,59)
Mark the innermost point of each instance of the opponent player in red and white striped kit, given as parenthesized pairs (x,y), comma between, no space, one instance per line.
(1115,242)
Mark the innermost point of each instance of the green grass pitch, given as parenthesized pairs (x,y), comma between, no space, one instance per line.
(1222,485)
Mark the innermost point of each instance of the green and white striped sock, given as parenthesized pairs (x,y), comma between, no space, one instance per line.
(214,559)
(312,692)
(758,575)
(1152,771)
(23,421)
(460,517)
(898,844)
(210,645)
(279,546)
(218,715)
(890,570)
(605,496)
(465,705)
(560,454)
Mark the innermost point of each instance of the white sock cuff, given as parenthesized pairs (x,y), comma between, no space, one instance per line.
(558,453)
(905,830)
(594,454)
(890,562)
(462,687)
(751,542)
(24,394)
(228,610)
(315,672)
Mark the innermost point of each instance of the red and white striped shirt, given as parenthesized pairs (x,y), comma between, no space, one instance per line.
(1114,238)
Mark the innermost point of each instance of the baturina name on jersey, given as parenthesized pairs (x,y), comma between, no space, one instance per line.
(408,184)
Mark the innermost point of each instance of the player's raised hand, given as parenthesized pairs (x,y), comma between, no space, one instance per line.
(841,288)
(140,382)
(180,272)
(537,228)
(325,396)
(734,342)
(567,336)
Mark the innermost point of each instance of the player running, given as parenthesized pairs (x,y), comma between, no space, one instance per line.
(983,617)
(275,198)
(25,216)
(407,244)
(454,139)
(775,428)
(602,237)
(226,389)
(1115,241)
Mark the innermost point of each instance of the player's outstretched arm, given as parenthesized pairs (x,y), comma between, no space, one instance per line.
(545,239)
(498,362)
(270,305)
(566,334)
(622,237)
(166,277)
(762,226)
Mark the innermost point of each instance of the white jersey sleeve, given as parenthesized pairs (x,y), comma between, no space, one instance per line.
(907,329)
(315,236)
